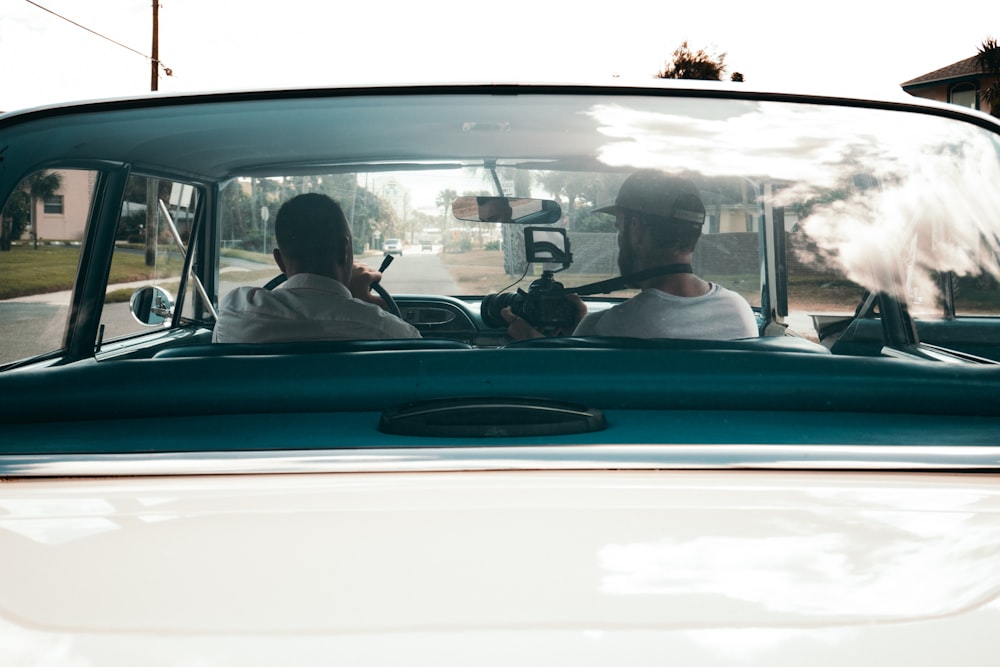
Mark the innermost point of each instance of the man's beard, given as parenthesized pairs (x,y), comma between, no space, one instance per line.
(627,263)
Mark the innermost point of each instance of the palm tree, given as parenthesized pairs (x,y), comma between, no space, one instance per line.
(20,210)
(444,200)
(41,185)
(988,59)
(700,64)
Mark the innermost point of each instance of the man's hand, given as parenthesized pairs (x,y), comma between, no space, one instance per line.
(520,329)
(360,284)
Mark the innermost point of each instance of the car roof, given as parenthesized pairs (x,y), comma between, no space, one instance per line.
(215,136)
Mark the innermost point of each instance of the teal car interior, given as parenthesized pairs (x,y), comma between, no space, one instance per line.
(559,499)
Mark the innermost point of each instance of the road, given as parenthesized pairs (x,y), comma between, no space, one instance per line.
(35,325)
(416,272)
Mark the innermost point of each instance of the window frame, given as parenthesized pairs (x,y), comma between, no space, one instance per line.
(56,201)
(964,87)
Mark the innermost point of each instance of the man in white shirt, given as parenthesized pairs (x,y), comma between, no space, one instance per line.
(659,219)
(327,295)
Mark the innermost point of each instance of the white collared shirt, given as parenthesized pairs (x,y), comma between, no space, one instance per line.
(305,307)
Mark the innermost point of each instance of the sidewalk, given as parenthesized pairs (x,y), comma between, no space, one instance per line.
(63,298)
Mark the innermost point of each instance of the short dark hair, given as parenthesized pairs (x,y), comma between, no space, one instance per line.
(311,228)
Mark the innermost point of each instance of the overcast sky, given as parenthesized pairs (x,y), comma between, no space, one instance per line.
(854,47)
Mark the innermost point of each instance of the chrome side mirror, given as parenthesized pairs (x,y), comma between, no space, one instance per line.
(151,305)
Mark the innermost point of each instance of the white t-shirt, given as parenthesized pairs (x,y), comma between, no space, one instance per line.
(305,307)
(721,314)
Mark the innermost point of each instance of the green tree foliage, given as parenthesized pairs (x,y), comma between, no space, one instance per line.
(586,220)
(242,201)
(421,221)
(988,59)
(580,194)
(368,214)
(700,64)
(17,213)
(15,216)
(241,223)
(444,200)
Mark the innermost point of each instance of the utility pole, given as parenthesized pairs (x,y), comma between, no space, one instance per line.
(152,196)
(155,58)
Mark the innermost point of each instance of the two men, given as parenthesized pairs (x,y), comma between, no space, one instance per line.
(327,295)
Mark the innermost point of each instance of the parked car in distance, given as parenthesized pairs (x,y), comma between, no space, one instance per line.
(393,247)
(822,489)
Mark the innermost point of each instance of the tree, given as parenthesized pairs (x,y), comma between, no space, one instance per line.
(239,222)
(988,59)
(370,216)
(579,196)
(444,200)
(15,216)
(700,64)
(19,213)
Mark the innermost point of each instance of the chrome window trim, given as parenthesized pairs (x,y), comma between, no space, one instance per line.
(920,458)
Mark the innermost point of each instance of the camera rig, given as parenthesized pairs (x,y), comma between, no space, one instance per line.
(545,305)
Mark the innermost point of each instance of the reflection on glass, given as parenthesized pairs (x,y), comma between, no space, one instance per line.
(886,200)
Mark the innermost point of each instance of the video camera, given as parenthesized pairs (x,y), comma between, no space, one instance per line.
(544,305)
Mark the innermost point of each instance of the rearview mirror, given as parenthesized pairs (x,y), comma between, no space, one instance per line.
(516,210)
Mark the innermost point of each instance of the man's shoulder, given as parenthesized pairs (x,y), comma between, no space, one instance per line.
(725,294)
(241,294)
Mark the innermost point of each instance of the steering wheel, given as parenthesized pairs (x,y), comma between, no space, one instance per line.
(389,301)
(376,287)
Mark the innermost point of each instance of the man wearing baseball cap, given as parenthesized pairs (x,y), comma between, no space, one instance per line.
(659,219)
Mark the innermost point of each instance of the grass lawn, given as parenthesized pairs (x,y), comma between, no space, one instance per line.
(53,268)
(28,271)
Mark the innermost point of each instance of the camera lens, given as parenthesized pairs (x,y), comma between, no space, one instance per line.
(494,303)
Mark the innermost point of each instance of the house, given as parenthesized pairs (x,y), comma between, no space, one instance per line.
(960,83)
(63,216)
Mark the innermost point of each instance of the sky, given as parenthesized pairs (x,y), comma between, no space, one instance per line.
(863,48)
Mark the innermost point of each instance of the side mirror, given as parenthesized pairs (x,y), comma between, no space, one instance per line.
(151,305)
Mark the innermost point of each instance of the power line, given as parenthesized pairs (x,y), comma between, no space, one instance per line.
(94,32)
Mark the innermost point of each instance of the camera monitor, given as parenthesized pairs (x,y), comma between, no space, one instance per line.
(547,245)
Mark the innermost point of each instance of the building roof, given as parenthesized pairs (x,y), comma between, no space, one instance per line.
(959,70)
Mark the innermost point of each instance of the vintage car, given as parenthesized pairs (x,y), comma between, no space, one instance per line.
(825,492)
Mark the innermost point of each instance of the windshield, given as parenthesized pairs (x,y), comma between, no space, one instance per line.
(852,200)
(443,254)
(811,210)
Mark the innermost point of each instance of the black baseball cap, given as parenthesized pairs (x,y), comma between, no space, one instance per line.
(655,193)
